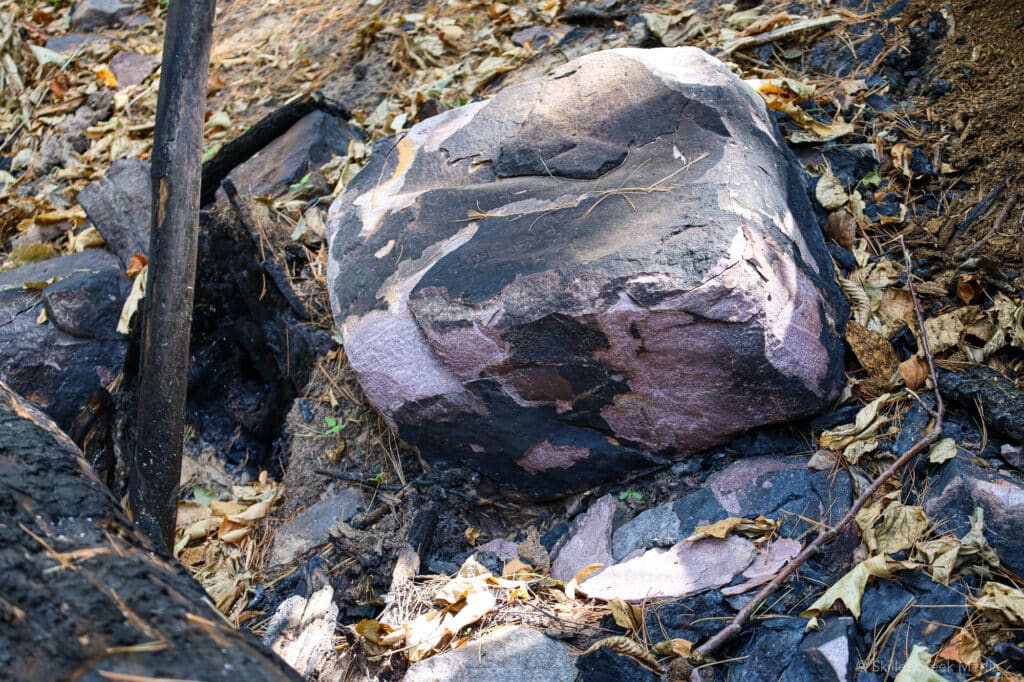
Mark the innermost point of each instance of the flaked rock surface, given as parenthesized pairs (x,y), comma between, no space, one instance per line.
(58,330)
(591,273)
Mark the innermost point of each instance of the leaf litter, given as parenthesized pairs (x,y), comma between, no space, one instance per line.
(445,55)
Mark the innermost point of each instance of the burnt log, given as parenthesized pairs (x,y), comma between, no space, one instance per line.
(167,317)
(83,594)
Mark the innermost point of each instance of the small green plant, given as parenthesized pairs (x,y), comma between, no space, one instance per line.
(627,495)
(333,426)
(304,183)
(377,478)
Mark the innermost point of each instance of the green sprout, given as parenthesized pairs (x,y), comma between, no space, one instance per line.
(333,426)
(627,495)
(304,183)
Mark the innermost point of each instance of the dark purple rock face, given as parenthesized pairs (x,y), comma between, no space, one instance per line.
(593,272)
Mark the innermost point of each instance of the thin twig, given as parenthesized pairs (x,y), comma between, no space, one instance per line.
(963,254)
(705,651)
(776,34)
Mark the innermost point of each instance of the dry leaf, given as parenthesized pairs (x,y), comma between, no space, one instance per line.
(131,304)
(917,669)
(581,575)
(1001,604)
(850,588)
(942,451)
(626,615)
(517,568)
(915,372)
(471,534)
(866,425)
(897,528)
(733,524)
(962,648)
(136,264)
(105,76)
(830,193)
(969,555)
(842,228)
(89,238)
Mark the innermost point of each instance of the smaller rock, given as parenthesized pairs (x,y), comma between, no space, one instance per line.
(761,486)
(89,15)
(655,527)
(502,548)
(286,161)
(934,613)
(961,487)
(301,631)
(604,665)
(684,569)
(309,529)
(514,654)
(69,42)
(590,540)
(60,358)
(1013,455)
(119,206)
(825,655)
(772,646)
(131,68)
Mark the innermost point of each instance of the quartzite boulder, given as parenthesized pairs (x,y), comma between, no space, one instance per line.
(592,272)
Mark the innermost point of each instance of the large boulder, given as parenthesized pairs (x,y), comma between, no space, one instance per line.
(592,272)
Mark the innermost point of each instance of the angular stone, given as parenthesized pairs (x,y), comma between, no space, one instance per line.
(961,487)
(310,528)
(59,363)
(604,665)
(825,655)
(590,539)
(130,68)
(308,145)
(69,42)
(513,654)
(774,487)
(119,205)
(559,286)
(89,15)
(501,548)
(301,630)
(935,612)
(684,569)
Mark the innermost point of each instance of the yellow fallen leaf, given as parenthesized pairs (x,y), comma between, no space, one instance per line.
(897,528)
(105,76)
(581,575)
(1001,604)
(942,451)
(866,424)
(917,668)
(850,588)
(733,524)
(131,304)
(89,238)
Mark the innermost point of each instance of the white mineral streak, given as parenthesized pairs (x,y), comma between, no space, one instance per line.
(387,347)
(427,136)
